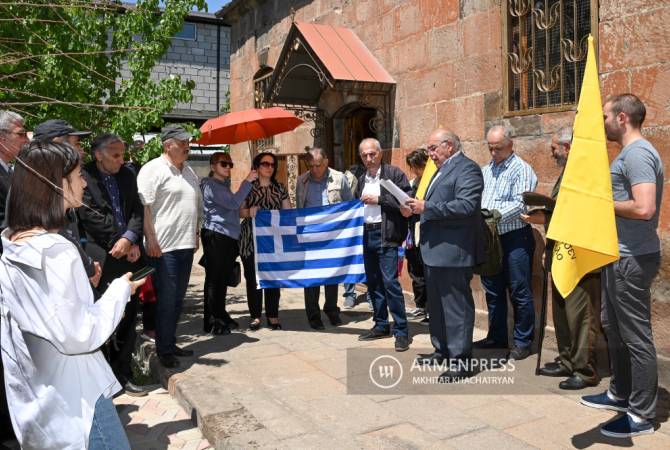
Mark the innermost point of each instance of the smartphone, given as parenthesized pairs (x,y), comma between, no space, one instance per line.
(142,273)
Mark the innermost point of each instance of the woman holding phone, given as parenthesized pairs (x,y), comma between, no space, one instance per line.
(266,193)
(220,233)
(59,385)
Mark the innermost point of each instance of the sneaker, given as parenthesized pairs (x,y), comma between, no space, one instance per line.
(425,321)
(401,343)
(519,353)
(603,401)
(373,334)
(416,313)
(625,427)
(349,303)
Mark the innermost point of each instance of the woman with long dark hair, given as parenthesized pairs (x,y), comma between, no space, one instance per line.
(59,385)
(220,234)
(266,193)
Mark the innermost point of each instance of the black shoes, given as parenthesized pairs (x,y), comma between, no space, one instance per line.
(316,325)
(488,343)
(168,361)
(430,359)
(134,390)
(374,334)
(555,370)
(401,343)
(335,319)
(178,351)
(220,328)
(575,383)
(519,353)
(255,324)
(274,326)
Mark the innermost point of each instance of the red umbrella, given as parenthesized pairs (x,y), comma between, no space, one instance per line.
(248,125)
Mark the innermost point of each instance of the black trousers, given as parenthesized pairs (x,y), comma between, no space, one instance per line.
(121,344)
(415,270)
(312,302)
(255,296)
(220,251)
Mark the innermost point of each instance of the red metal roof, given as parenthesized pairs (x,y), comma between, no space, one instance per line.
(343,53)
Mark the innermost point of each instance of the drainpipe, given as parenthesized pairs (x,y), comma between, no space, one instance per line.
(218,68)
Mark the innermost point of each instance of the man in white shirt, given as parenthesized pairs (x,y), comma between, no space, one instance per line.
(169,191)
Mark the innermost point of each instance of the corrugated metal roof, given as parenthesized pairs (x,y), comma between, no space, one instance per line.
(343,54)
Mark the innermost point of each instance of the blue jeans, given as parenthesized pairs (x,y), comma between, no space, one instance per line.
(349,291)
(381,269)
(173,271)
(107,433)
(518,247)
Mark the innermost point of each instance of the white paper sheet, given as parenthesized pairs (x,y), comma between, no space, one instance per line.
(395,191)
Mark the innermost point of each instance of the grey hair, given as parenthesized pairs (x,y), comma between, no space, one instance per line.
(507,132)
(378,146)
(314,152)
(101,142)
(453,138)
(9,118)
(564,135)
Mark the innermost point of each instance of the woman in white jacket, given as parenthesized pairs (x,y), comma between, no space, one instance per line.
(59,386)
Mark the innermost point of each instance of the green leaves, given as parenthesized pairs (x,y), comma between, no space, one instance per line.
(65,59)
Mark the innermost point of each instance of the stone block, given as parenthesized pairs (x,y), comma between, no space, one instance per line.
(652,85)
(412,53)
(388,28)
(463,116)
(415,124)
(468,7)
(478,32)
(445,44)
(480,74)
(408,20)
(437,13)
(551,122)
(635,40)
(430,85)
(525,125)
(614,9)
(537,153)
(493,106)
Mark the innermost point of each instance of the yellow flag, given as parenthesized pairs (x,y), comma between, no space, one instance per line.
(583,223)
(428,173)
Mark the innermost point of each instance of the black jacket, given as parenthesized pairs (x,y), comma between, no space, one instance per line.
(101,229)
(394,225)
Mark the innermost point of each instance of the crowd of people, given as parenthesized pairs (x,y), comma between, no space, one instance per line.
(74,232)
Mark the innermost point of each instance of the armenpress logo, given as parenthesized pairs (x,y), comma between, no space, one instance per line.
(385,371)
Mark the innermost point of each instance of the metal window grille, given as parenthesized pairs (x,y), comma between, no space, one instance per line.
(260,88)
(545,45)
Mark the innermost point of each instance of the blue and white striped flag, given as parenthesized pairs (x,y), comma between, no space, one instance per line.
(297,248)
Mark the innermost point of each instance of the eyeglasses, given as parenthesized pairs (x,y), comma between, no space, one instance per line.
(226,164)
(315,166)
(432,148)
(266,164)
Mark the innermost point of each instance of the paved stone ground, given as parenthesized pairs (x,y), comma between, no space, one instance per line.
(157,422)
(292,389)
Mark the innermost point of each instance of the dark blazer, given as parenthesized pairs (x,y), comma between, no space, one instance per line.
(451,235)
(394,224)
(5,179)
(101,229)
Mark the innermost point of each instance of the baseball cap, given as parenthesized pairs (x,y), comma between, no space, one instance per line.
(175,132)
(56,127)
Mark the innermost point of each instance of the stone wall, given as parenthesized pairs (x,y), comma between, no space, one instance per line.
(446,58)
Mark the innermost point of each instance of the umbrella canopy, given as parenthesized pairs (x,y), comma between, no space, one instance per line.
(248,125)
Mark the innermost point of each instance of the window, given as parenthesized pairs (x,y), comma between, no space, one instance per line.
(187,33)
(545,49)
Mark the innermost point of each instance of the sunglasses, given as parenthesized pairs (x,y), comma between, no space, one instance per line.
(226,164)
(266,164)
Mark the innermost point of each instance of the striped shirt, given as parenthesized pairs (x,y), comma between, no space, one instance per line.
(503,185)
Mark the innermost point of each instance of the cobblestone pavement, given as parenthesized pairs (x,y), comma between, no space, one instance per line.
(299,388)
(157,422)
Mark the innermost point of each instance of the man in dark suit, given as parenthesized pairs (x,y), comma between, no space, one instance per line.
(113,232)
(13,136)
(450,246)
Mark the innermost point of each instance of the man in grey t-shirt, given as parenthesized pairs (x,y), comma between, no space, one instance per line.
(637,187)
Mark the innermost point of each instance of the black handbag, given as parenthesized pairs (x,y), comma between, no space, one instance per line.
(236,275)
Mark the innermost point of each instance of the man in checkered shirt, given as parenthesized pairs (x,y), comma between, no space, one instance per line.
(506,177)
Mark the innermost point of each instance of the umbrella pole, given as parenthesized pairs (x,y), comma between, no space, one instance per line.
(252,151)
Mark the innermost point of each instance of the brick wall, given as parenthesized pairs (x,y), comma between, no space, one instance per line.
(446,58)
(197,61)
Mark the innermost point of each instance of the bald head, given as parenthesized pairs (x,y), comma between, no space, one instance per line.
(500,143)
(442,144)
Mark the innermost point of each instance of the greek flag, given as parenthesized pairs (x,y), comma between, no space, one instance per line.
(298,248)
